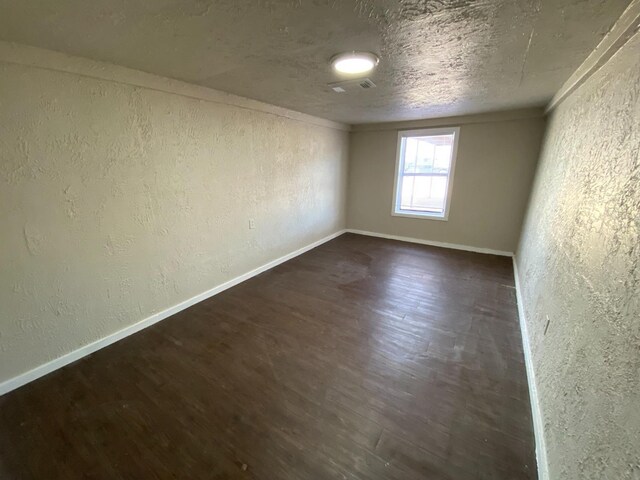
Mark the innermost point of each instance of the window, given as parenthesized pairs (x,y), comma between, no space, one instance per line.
(424,172)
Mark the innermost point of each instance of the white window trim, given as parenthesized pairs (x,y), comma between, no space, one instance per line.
(396,184)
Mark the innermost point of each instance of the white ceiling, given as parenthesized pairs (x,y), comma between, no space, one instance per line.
(438,57)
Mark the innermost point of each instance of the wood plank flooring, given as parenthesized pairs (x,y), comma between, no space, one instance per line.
(361,359)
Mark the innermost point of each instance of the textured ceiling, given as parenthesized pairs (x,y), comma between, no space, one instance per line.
(438,57)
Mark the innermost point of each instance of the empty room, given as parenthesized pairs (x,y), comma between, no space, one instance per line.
(320,239)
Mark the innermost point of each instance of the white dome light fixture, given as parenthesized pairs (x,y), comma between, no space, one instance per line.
(353,63)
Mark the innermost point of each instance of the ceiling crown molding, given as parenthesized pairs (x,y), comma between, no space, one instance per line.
(626,27)
(18,54)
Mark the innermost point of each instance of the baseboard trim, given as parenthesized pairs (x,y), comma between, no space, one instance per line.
(44,369)
(538,425)
(453,246)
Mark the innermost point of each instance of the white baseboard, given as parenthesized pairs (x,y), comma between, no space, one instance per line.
(70,357)
(538,425)
(454,246)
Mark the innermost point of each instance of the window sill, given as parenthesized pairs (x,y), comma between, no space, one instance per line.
(423,216)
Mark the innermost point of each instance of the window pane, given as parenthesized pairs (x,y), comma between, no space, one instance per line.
(423,193)
(442,160)
(425,169)
(427,154)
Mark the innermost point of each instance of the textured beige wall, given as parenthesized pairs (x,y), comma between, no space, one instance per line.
(494,170)
(117,201)
(579,268)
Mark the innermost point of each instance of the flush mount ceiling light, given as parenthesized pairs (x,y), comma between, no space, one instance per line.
(354,62)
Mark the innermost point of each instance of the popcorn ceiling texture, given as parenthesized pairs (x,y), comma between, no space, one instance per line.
(438,57)
(117,202)
(579,266)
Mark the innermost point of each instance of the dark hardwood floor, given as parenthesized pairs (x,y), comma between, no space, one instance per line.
(361,359)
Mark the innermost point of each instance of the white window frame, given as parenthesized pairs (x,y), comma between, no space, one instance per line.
(425,132)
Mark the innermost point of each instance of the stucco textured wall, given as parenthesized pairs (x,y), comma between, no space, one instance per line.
(117,202)
(494,172)
(579,268)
